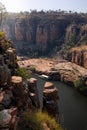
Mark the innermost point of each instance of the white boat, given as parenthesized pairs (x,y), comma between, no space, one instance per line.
(44,76)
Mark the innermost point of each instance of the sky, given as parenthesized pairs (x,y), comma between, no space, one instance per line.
(26,5)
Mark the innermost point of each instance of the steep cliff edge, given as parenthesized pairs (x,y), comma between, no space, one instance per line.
(17,95)
(7,60)
(42,33)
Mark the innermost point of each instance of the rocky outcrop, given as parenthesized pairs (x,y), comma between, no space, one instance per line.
(70,72)
(18,90)
(11,57)
(7,60)
(60,69)
(33,92)
(50,99)
(8,52)
(8,119)
(17,95)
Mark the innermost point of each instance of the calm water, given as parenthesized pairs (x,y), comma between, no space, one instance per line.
(72,106)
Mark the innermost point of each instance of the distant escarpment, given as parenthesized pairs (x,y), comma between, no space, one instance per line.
(43,33)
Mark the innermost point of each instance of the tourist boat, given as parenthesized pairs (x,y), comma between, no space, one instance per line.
(44,76)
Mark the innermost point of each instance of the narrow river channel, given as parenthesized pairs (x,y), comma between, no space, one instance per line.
(72,105)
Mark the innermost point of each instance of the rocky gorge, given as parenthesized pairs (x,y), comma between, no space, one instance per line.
(61,39)
(18,95)
(59,69)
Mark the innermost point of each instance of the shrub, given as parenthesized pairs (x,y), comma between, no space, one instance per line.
(51,123)
(29,122)
(78,83)
(22,72)
(1,35)
(35,121)
(32,68)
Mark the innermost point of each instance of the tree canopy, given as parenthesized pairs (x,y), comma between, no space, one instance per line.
(2,12)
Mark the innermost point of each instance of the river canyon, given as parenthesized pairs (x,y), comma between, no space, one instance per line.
(53,44)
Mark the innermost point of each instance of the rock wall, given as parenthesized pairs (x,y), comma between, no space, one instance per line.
(7,60)
(42,33)
(78,56)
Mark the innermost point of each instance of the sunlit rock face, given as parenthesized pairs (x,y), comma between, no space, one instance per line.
(78,55)
(18,89)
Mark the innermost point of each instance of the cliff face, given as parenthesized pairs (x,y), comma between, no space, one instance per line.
(32,34)
(41,33)
(78,55)
(76,45)
(45,33)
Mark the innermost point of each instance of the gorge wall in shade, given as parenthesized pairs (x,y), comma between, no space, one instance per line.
(43,33)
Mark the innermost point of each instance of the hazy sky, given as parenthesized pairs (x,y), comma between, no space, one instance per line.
(26,5)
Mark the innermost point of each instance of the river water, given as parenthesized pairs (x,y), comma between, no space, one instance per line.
(72,105)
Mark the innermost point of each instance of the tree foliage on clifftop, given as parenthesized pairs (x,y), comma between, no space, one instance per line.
(2,12)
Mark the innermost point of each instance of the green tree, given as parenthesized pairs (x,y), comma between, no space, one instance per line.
(22,72)
(2,12)
(71,42)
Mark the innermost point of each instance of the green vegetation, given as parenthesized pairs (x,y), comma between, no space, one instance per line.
(32,68)
(81,86)
(35,121)
(70,43)
(22,72)
(78,83)
(7,44)
(51,123)
(1,35)
(2,12)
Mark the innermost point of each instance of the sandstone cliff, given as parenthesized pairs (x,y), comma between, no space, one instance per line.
(42,33)
(78,55)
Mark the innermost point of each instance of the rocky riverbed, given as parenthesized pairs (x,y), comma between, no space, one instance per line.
(56,69)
